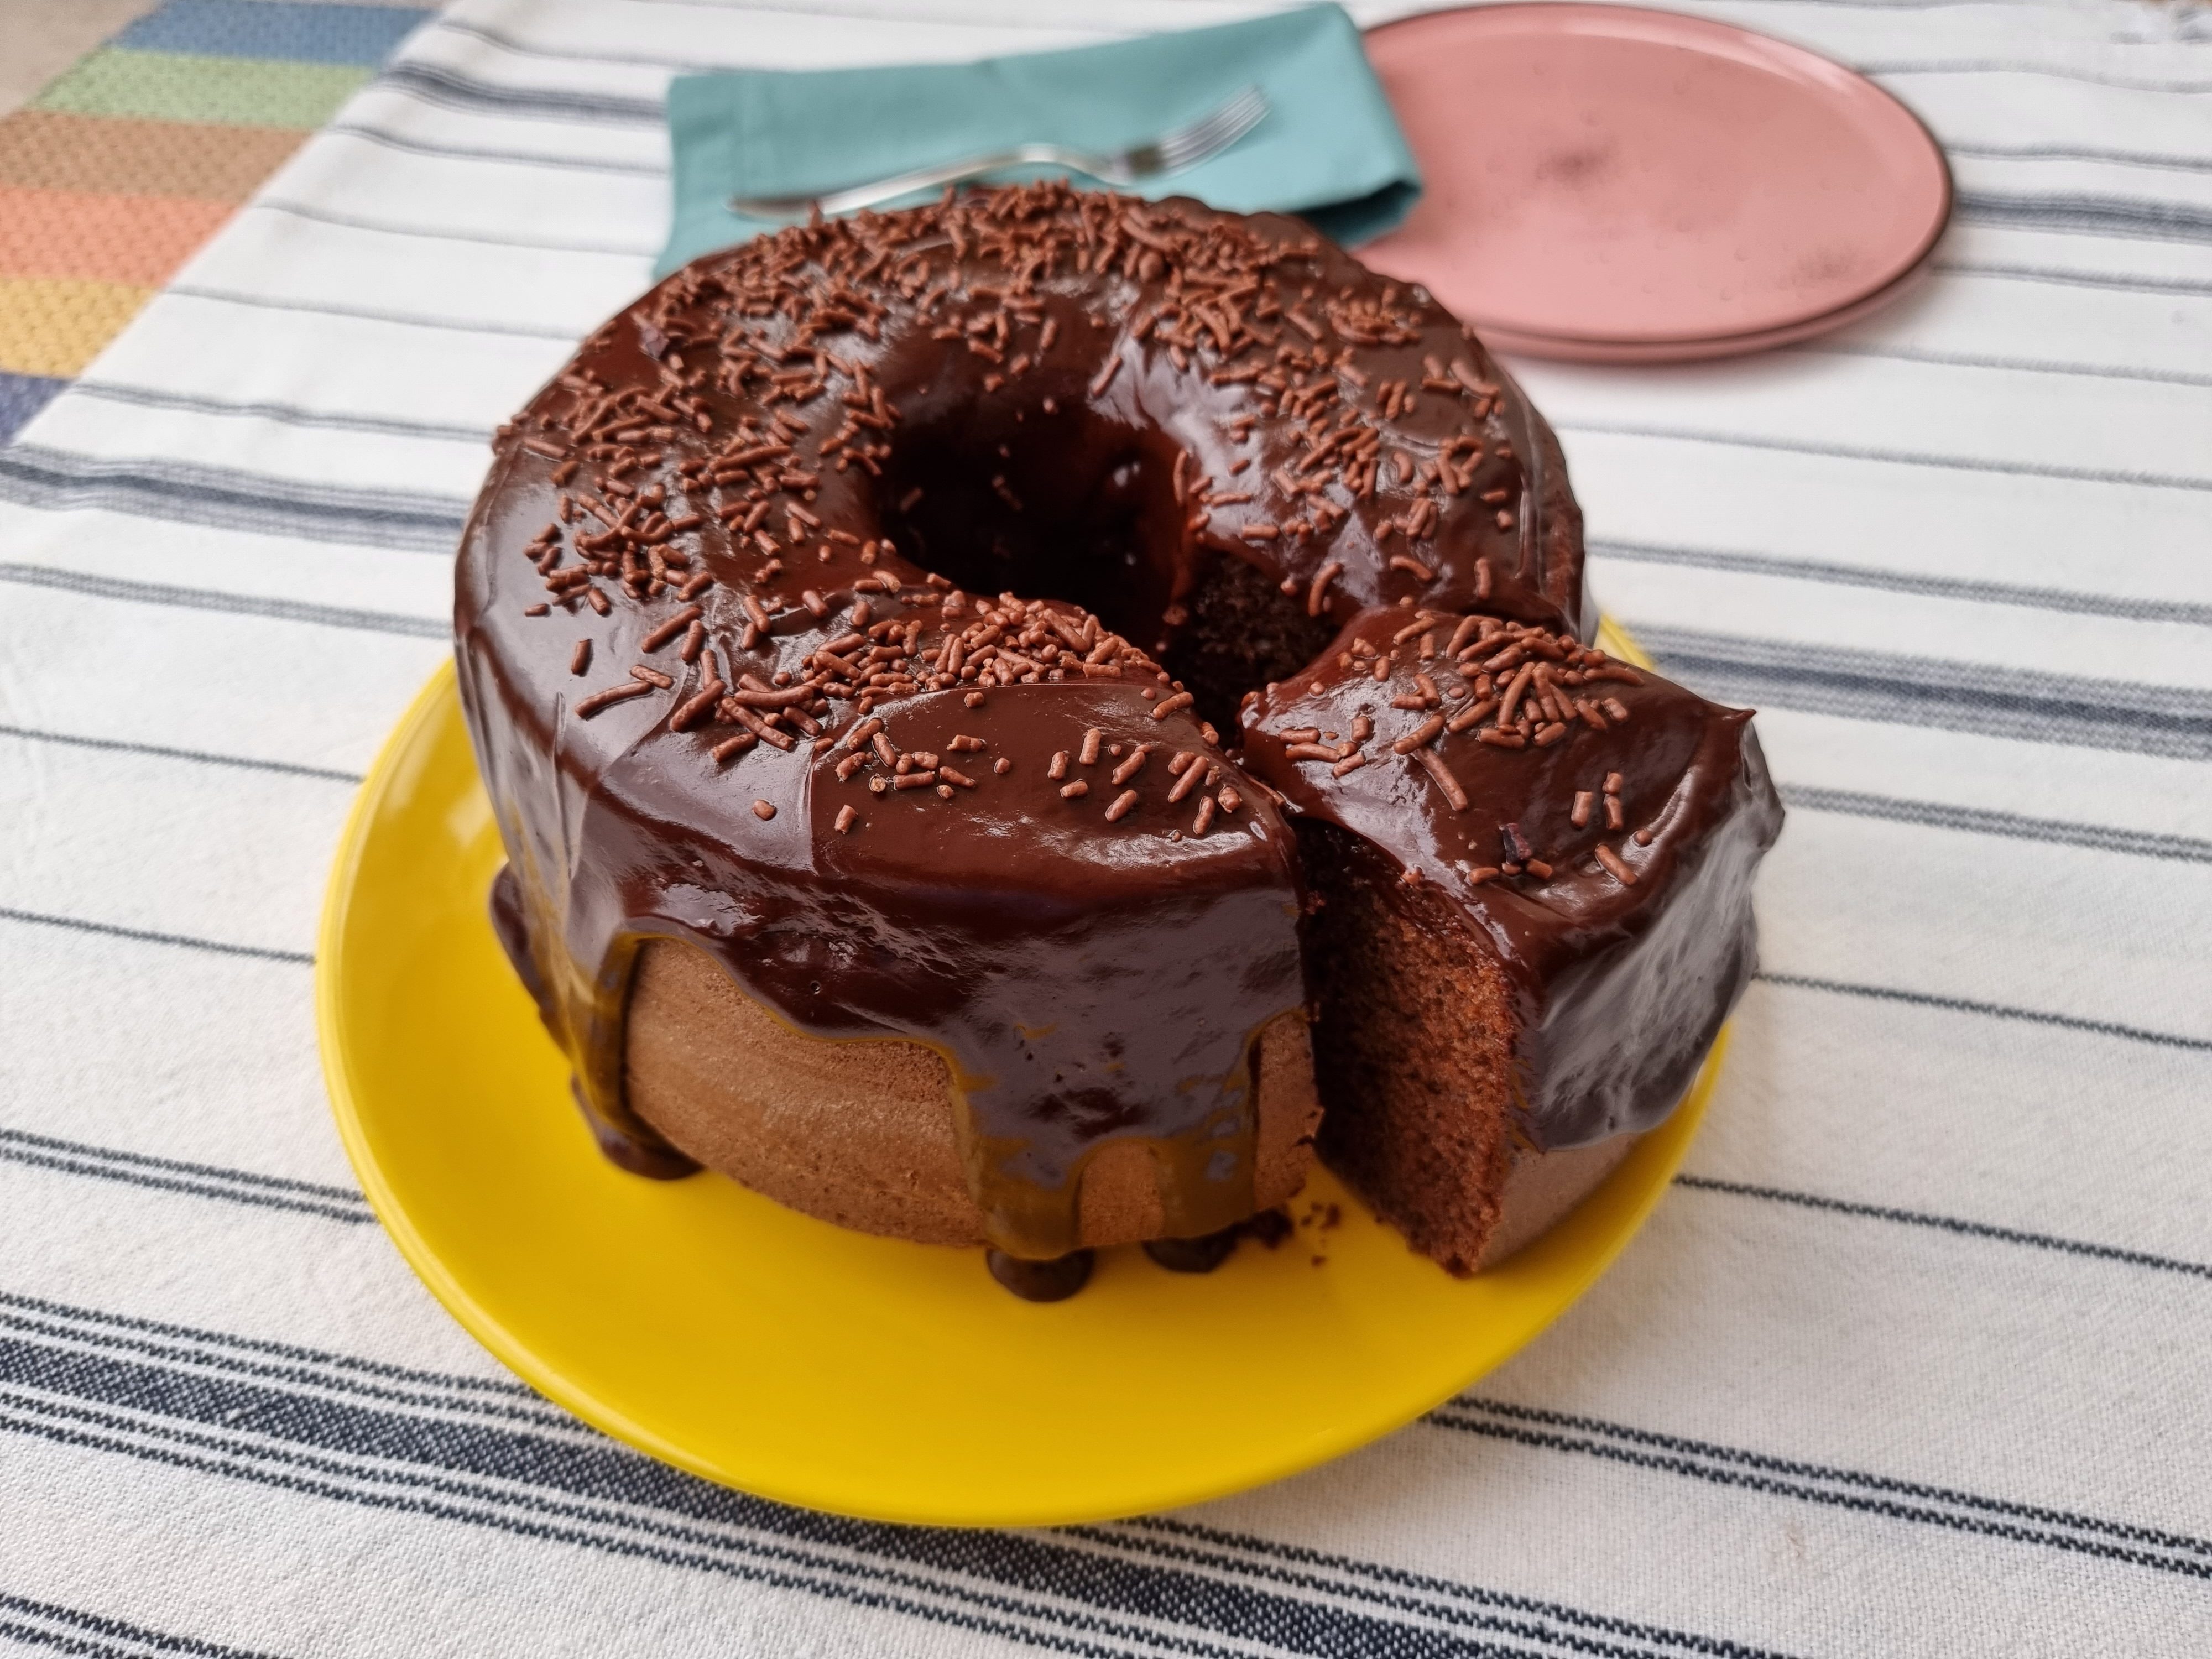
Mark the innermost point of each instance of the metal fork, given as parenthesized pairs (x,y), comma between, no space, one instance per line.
(1171,152)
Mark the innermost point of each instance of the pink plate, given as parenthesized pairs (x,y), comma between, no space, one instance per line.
(1604,182)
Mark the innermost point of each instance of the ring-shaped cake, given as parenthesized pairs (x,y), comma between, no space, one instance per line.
(1014,721)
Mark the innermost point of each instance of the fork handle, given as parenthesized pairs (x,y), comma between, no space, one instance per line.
(883,190)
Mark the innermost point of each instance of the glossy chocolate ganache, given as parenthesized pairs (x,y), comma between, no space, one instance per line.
(970,624)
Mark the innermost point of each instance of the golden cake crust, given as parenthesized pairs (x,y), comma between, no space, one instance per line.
(859,1131)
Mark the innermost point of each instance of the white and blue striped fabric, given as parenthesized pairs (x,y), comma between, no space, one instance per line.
(1916,1359)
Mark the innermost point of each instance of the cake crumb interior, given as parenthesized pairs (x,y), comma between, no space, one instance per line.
(1413,1048)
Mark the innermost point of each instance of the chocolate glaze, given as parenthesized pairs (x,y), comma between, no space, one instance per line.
(646,1154)
(799,454)
(1055,1280)
(1194,1256)
(1622,984)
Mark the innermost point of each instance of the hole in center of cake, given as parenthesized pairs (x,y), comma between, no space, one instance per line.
(1046,506)
(1062,504)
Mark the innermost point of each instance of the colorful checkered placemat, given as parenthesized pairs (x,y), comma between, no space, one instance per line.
(118,171)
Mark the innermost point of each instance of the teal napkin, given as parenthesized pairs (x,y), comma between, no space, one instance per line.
(1329,150)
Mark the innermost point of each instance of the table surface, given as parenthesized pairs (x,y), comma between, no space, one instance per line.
(1913,1357)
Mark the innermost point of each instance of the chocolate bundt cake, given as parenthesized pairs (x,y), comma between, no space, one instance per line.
(1012,721)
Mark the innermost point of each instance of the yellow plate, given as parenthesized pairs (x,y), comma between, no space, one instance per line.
(717,1331)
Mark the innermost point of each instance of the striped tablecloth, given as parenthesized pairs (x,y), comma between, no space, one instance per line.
(1915,1360)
